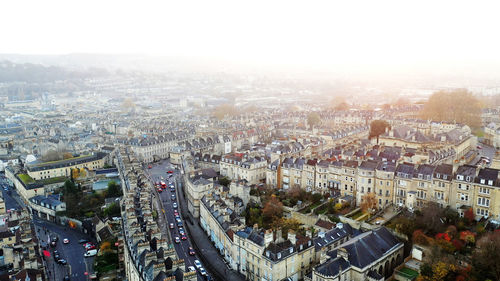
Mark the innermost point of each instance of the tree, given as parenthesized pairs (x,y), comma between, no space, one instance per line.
(453,106)
(67,155)
(377,127)
(431,218)
(272,209)
(224,181)
(486,258)
(313,119)
(112,210)
(114,190)
(369,202)
(224,110)
(469,215)
(51,155)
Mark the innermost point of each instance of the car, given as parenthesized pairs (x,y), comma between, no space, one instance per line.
(160,190)
(172,189)
(174,205)
(149,167)
(53,244)
(83,241)
(177,239)
(191,268)
(177,216)
(171,225)
(90,253)
(66,278)
(182,232)
(173,196)
(191,251)
(54,238)
(62,261)
(479,147)
(170,171)
(65,241)
(202,271)
(179,223)
(57,256)
(197,263)
(184,237)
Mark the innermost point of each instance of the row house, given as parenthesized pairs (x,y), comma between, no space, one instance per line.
(241,167)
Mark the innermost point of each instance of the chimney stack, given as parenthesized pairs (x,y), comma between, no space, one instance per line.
(268,237)
(292,237)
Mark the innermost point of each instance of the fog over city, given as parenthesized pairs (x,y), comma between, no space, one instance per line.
(249,140)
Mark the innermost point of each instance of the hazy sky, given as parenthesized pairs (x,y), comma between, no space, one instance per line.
(320,33)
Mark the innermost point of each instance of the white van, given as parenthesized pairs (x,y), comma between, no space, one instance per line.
(90,253)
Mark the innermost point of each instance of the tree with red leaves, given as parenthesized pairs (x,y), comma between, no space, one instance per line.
(469,215)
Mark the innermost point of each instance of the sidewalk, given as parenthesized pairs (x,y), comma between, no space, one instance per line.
(209,255)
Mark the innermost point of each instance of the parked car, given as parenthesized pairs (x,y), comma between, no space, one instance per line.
(90,253)
(174,205)
(83,241)
(197,263)
(65,241)
(202,271)
(171,225)
(177,239)
(179,223)
(191,251)
(184,237)
(66,278)
(170,172)
(173,197)
(191,268)
(62,261)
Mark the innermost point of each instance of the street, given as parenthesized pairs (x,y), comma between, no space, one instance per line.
(72,252)
(157,173)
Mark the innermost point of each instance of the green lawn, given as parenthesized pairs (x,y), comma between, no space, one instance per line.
(408,273)
(26,179)
(53,180)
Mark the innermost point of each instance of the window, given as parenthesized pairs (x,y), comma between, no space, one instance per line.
(481,201)
(484,190)
(369,181)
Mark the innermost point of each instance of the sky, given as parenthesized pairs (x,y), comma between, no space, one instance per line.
(320,34)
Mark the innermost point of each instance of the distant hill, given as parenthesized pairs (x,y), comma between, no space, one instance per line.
(37,73)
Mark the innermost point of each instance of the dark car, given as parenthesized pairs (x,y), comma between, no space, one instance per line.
(66,278)
(83,241)
(54,238)
(57,257)
(191,251)
(62,261)
(53,244)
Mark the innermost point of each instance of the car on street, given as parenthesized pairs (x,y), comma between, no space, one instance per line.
(90,253)
(179,223)
(479,147)
(62,261)
(174,205)
(197,263)
(191,251)
(170,172)
(184,237)
(177,216)
(53,244)
(54,238)
(191,268)
(171,225)
(177,239)
(173,197)
(160,190)
(172,189)
(202,271)
(66,278)
(57,256)
(65,241)
(83,241)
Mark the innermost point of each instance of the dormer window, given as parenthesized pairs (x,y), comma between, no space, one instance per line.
(490,182)
(279,255)
(467,178)
(437,175)
(482,181)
